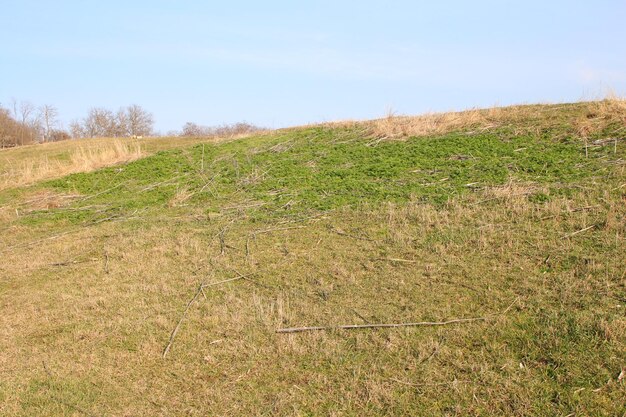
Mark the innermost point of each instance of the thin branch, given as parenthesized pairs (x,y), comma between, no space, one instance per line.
(409,261)
(33,242)
(200,290)
(569,211)
(102,192)
(382,325)
(277,229)
(342,233)
(228,280)
(579,231)
(175,331)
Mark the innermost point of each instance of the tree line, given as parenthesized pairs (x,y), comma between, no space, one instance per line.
(23,123)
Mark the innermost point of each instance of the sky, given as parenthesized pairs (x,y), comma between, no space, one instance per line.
(284,63)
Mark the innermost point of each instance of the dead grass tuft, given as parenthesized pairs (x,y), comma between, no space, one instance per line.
(600,115)
(393,127)
(180,198)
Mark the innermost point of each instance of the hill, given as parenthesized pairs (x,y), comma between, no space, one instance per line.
(167,284)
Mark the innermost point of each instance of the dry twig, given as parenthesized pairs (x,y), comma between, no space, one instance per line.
(381,325)
(199,291)
(579,231)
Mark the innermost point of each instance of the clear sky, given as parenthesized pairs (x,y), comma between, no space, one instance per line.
(279,63)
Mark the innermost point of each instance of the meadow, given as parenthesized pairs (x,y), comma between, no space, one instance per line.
(157,277)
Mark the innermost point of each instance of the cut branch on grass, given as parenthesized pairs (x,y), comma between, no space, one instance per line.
(411,384)
(381,325)
(259,232)
(393,325)
(408,261)
(579,231)
(342,233)
(180,322)
(89,197)
(34,242)
(574,210)
(199,291)
(203,286)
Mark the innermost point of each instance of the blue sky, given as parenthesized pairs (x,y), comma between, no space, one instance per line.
(280,63)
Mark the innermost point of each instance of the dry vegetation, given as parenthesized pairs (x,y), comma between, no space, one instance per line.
(98,270)
(522,119)
(80,159)
(29,164)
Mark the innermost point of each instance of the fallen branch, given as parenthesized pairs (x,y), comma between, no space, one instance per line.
(33,242)
(175,331)
(259,232)
(579,231)
(102,192)
(411,384)
(228,280)
(409,261)
(200,290)
(342,233)
(382,325)
(569,211)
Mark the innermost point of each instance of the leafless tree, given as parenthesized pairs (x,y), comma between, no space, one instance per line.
(232,130)
(193,129)
(48,115)
(127,121)
(24,112)
(121,121)
(76,129)
(99,123)
(139,121)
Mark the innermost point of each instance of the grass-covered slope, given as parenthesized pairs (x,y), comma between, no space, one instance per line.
(513,216)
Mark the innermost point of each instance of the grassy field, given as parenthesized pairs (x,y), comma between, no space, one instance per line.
(157,286)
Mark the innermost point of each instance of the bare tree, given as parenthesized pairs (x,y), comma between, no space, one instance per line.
(139,121)
(232,130)
(192,129)
(127,121)
(48,115)
(99,123)
(24,114)
(121,120)
(77,130)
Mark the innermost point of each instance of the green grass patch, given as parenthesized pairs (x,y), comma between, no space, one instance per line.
(308,170)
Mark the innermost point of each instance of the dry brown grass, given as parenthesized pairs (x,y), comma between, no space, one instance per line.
(80,159)
(75,334)
(180,198)
(586,118)
(601,114)
(26,165)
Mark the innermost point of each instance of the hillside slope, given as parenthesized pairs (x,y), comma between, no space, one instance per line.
(157,287)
